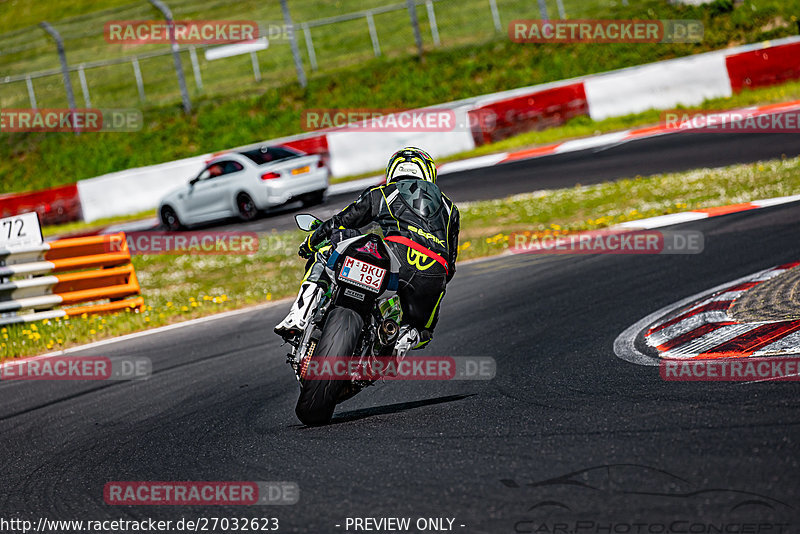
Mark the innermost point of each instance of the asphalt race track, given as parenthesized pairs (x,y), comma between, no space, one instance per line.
(638,450)
(667,153)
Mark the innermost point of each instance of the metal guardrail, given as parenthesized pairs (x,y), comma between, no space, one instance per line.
(89,274)
(300,29)
(299,26)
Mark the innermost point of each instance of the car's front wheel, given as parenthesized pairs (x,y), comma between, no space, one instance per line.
(247,208)
(170,219)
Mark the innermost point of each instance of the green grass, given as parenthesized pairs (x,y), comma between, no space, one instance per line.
(79,226)
(584,126)
(580,208)
(575,128)
(337,45)
(177,288)
(34,161)
(21,13)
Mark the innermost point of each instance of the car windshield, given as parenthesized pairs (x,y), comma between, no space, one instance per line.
(263,155)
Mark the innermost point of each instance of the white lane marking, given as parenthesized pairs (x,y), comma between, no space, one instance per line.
(775,201)
(354,185)
(690,309)
(712,339)
(132,226)
(193,322)
(472,163)
(624,344)
(687,216)
(697,305)
(592,142)
(687,325)
(446,168)
(664,220)
(728,295)
(613,138)
(766,379)
(167,328)
(771,273)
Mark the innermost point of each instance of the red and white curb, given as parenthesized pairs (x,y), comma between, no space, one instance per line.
(699,328)
(575,145)
(604,140)
(625,343)
(705,213)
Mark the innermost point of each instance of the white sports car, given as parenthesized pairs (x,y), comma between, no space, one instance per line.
(243,183)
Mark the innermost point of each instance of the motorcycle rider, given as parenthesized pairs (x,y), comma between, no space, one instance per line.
(420,225)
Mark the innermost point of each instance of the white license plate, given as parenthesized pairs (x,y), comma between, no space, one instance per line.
(20,230)
(362,274)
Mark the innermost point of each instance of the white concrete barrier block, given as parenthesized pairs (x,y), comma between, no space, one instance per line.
(134,190)
(356,152)
(687,81)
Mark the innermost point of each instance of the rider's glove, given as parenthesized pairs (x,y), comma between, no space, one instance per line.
(306,250)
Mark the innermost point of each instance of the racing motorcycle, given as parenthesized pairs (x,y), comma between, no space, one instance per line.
(356,321)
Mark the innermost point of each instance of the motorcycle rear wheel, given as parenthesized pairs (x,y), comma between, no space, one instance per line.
(338,341)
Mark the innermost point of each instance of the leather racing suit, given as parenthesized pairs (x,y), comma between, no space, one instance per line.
(421,226)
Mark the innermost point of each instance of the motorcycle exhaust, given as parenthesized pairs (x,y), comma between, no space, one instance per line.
(387,333)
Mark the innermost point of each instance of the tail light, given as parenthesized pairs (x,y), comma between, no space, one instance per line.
(270,175)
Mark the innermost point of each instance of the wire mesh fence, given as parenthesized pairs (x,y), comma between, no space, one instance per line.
(330,34)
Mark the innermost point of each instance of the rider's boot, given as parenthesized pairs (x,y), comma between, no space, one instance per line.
(411,339)
(299,314)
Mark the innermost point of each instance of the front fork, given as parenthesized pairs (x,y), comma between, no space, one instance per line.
(384,338)
(303,347)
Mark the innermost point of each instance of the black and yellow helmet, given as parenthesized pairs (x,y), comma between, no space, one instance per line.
(411,162)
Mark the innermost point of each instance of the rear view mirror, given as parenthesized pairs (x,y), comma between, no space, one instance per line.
(307,222)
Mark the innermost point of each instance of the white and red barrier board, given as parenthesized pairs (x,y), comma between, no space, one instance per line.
(765,67)
(663,85)
(667,84)
(536,111)
(135,190)
(56,205)
(686,81)
(356,152)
